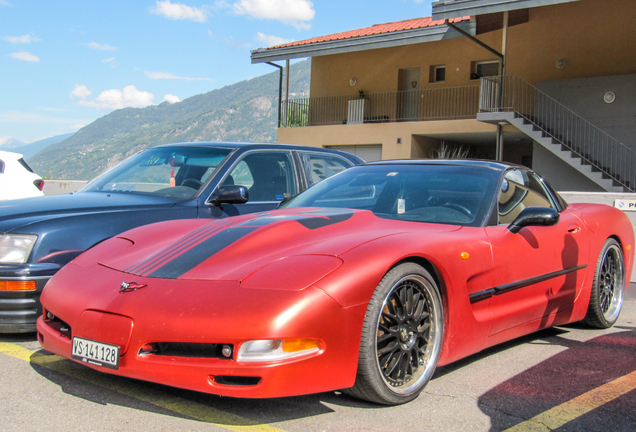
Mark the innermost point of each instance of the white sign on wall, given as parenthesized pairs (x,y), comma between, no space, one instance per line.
(625,205)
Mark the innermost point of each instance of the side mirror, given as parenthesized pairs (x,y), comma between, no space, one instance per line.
(534,216)
(230,194)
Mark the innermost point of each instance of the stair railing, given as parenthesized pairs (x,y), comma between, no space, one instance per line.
(595,147)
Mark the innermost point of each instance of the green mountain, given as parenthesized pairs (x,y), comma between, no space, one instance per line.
(246,111)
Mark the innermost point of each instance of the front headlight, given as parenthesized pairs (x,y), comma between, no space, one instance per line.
(278,349)
(15,248)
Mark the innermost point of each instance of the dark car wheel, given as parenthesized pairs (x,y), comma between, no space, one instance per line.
(401,337)
(606,299)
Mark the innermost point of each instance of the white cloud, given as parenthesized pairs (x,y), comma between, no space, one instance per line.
(178,11)
(80,91)
(165,75)
(4,140)
(116,99)
(5,3)
(25,56)
(271,40)
(108,60)
(95,45)
(209,32)
(294,12)
(21,39)
(77,126)
(171,98)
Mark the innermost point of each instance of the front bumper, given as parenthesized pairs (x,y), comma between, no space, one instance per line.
(19,310)
(208,312)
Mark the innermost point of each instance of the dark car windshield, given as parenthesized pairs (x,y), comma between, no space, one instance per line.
(450,194)
(175,172)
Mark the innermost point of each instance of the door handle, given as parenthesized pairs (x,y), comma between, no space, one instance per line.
(574,229)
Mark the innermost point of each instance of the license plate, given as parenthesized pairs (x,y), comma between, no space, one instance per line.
(95,353)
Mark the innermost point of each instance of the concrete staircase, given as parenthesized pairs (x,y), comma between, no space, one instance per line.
(555,146)
(601,158)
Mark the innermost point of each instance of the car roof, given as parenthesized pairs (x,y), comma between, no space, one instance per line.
(248,146)
(499,166)
(10,155)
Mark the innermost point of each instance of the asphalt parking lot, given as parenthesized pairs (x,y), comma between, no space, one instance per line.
(568,378)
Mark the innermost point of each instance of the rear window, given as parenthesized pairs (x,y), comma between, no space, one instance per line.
(25,165)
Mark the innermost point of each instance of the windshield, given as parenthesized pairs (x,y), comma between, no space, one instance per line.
(177,172)
(450,194)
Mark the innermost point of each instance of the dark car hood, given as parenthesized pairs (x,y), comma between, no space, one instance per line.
(19,213)
(232,248)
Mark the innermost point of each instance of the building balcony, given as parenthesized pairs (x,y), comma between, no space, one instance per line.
(449,103)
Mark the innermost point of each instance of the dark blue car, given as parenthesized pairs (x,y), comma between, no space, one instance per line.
(176,181)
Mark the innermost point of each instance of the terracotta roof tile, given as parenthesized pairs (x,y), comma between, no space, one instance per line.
(376,29)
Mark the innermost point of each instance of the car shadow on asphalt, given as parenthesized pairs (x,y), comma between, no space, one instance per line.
(581,368)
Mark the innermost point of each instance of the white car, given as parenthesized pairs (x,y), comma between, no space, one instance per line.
(17,179)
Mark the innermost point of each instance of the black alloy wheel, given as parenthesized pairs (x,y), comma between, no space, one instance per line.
(401,337)
(606,298)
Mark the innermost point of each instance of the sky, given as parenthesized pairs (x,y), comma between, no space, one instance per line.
(66,63)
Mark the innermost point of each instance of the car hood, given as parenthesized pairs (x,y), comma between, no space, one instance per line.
(19,213)
(234,248)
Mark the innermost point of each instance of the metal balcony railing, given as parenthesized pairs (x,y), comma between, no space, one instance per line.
(417,105)
(595,147)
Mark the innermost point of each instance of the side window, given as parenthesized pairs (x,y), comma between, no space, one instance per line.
(318,166)
(520,189)
(268,176)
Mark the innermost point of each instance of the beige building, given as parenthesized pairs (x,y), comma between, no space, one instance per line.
(549,84)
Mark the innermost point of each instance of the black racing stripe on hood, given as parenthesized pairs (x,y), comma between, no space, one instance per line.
(195,256)
(319,222)
(191,258)
(200,234)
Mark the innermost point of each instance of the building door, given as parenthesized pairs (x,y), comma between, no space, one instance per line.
(368,152)
(409,86)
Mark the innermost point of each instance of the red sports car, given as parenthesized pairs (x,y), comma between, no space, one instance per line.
(366,282)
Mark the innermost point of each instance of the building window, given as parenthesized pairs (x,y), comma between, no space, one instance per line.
(484,69)
(438,74)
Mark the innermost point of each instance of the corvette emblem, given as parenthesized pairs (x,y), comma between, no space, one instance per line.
(130,286)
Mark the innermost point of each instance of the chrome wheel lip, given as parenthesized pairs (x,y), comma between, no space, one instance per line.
(433,350)
(618,281)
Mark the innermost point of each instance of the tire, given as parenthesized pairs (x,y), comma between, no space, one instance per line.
(401,337)
(608,287)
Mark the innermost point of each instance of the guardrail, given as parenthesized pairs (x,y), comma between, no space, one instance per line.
(594,146)
(417,105)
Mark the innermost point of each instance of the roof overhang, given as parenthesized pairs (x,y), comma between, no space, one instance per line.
(362,43)
(448,9)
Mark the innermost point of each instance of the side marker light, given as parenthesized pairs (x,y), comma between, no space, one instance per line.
(628,247)
(465,255)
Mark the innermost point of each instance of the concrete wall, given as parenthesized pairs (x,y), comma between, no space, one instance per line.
(584,96)
(604,198)
(59,187)
(383,133)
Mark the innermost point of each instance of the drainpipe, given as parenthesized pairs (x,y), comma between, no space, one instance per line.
(499,143)
(286,92)
(280,86)
(504,45)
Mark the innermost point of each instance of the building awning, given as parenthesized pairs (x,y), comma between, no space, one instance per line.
(449,9)
(387,35)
